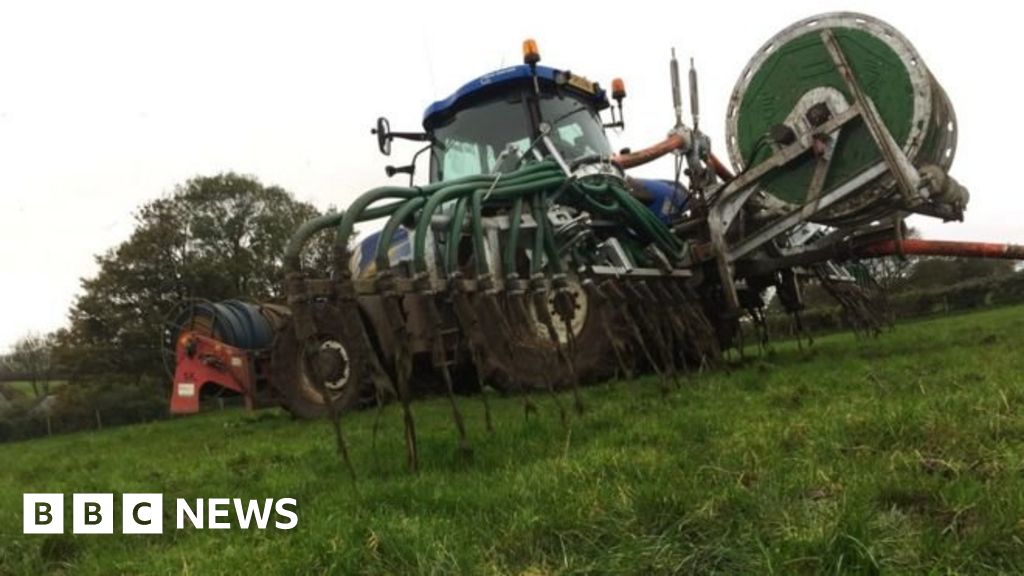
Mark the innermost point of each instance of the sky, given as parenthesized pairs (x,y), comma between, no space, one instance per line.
(107,105)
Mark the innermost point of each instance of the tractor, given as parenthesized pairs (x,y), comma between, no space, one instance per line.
(530,260)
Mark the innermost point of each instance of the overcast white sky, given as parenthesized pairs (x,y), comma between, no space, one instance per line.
(106,105)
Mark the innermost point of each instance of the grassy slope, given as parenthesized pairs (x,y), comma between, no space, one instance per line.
(902,453)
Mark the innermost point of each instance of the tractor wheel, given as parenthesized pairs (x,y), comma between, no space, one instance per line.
(593,358)
(292,374)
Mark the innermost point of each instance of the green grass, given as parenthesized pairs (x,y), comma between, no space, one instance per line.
(898,454)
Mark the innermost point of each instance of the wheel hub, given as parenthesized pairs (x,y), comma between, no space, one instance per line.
(579,317)
(333,362)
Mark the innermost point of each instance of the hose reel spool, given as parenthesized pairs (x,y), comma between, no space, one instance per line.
(793,85)
(236,323)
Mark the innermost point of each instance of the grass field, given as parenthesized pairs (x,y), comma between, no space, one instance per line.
(898,454)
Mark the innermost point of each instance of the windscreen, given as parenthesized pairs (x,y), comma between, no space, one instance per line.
(474,140)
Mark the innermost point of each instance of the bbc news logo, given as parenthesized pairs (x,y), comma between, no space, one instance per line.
(144,513)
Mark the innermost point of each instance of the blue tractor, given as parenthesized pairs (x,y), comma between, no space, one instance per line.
(521,256)
(527,260)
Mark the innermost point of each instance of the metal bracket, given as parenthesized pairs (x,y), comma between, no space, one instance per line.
(806,211)
(729,200)
(906,176)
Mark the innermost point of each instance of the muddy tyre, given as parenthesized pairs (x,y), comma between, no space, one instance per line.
(536,361)
(292,372)
(594,357)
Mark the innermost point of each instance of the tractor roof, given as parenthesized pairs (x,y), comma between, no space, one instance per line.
(494,83)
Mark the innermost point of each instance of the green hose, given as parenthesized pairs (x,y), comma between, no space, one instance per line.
(554,261)
(588,192)
(513,237)
(293,251)
(310,228)
(451,259)
(537,181)
(479,259)
(608,198)
(537,207)
(355,213)
(384,240)
(359,211)
(647,222)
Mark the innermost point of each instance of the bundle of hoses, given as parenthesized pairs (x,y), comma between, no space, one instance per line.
(535,183)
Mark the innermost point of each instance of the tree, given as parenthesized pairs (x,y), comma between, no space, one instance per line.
(31,357)
(892,272)
(214,237)
(934,272)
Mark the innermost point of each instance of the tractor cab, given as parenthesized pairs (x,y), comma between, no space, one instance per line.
(496,123)
(522,114)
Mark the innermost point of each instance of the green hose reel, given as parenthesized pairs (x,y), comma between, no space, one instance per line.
(793,72)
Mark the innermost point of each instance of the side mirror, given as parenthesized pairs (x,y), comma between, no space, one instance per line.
(383,132)
(385,136)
